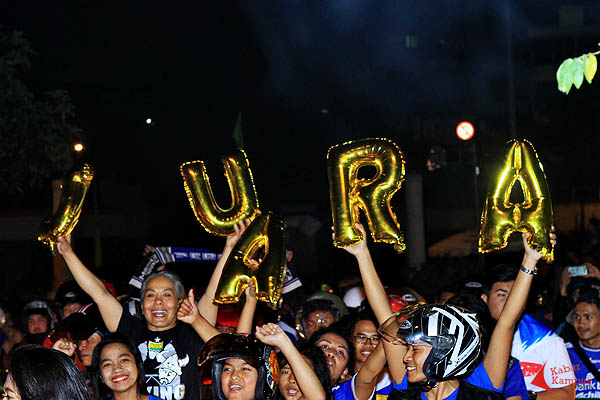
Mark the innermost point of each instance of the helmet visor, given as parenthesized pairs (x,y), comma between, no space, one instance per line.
(395,329)
(225,346)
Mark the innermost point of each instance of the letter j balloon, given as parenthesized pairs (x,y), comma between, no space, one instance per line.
(64,220)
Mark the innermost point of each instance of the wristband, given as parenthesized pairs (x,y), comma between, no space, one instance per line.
(528,271)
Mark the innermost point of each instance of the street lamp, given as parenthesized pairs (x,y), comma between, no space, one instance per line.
(465,130)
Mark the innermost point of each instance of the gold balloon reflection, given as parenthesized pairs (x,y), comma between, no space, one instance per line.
(348,193)
(500,217)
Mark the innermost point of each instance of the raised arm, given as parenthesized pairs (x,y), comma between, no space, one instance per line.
(378,301)
(374,289)
(206,306)
(188,313)
(110,308)
(496,359)
(245,324)
(366,379)
(307,380)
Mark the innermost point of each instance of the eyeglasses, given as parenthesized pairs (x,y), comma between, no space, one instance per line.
(362,339)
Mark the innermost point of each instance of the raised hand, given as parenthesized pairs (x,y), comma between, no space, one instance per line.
(593,271)
(63,245)
(240,228)
(250,292)
(360,247)
(148,249)
(532,256)
(64,345)
(565,279)
(188,310)
(272,335)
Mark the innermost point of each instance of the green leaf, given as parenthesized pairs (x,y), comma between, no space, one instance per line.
(564,76)
(590,67)
(578,72)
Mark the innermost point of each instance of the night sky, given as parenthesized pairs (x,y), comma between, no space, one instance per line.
(305,75)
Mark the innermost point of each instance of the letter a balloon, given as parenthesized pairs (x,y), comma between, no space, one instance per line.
(258,257)
(500,217)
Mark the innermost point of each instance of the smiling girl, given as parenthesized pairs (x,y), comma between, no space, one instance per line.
(117,370)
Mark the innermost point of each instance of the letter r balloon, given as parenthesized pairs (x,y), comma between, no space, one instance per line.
(500,217)
(349,193)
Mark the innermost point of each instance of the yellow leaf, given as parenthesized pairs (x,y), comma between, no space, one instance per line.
(591,65)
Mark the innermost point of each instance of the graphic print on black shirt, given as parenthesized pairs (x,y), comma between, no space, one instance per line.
(169,358)
(168,369)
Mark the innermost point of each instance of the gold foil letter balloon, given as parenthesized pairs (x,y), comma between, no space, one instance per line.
(349,193)
(244,201)
(500,217)
(64,220)
(258,257)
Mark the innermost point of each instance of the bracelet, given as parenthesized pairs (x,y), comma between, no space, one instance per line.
(528,271)
(532,395)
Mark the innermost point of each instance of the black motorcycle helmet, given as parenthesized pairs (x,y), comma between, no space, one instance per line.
(70,293)
(41,307)
(320,301)
(229,345)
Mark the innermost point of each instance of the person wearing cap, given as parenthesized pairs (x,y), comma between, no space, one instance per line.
(75,336)
(320,310)
(70,298)
(585,351)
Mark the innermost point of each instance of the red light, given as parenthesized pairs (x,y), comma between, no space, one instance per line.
(465,130)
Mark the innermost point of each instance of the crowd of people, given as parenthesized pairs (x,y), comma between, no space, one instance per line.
(475,340)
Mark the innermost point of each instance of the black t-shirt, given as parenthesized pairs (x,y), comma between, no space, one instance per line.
(170,358)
